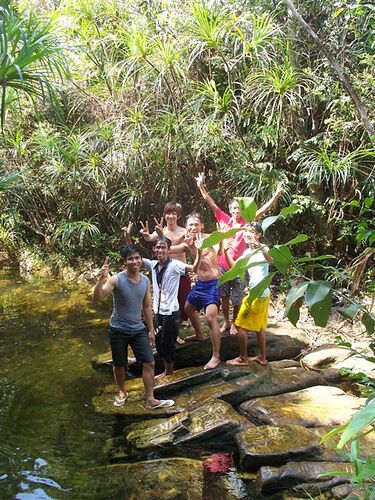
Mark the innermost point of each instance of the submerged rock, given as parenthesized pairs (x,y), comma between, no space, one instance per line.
(271,445)
(281,344)
(303,473)
(154,479)
(313,407)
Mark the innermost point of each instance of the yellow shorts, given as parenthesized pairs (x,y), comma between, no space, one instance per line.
(253,316)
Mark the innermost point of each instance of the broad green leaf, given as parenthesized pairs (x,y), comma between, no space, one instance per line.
(268,221)
(300,238)
(359,421)
(248,208)
(282,257)
(350,311)
(294,294)
(369,201)
(321,310)
(260,287)
(317,291)
(369,321)
(293,208)
(218,236)
(314,259)
(239,268)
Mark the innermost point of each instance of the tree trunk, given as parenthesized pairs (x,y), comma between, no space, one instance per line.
(343,78)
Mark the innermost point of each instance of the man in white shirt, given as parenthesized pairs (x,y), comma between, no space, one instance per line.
(166,273)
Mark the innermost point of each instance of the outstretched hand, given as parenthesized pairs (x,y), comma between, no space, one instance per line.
(200,179)
(159,226)
(198,241)
(279,189)
(126,231)
(145,232)
(105,269)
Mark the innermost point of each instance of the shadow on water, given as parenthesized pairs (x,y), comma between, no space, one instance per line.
(51,440)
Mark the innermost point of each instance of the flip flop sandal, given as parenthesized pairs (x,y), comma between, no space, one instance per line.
(164,403)
(120,401)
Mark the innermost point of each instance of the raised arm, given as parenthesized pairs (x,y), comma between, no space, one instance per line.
(145,232)
(207,198)
(105,285)
(270,203)
(126,231)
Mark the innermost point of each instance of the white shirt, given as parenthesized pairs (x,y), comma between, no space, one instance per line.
(169,285)
(258,272)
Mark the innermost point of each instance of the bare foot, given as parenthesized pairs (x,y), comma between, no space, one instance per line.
(238,361)
(213,363)
(225,327)
(180,341)
(194,338)
(233,329)
(260,360)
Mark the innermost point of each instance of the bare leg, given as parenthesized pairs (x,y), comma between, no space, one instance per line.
(148,373)
(242,358)
(119,374)
(195,321)
(168,370)
(261,340)
(211,317)
(225,307)
(233,328)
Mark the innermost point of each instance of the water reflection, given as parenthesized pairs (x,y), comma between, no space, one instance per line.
(48,333)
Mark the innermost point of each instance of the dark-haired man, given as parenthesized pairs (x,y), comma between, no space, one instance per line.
(131,295)
(232,289)
(172,214)
(166,273)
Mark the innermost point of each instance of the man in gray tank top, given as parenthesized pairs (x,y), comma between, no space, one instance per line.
(131,295)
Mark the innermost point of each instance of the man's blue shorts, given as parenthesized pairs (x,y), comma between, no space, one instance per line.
(204,293)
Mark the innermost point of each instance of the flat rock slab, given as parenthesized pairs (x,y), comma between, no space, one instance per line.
(243,383)
(313,407)
(159,479)
(294,473)
(282,343)
(215,422)
(332,356)
(272,445)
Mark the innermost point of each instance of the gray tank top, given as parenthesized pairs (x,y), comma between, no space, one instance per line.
(127,303)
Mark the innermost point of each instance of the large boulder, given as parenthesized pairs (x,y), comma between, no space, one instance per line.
(272,445)
(282,343)
(312,407)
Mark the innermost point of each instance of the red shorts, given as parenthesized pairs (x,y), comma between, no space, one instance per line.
(183,292)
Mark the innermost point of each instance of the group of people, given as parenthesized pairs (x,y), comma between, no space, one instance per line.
(173,298)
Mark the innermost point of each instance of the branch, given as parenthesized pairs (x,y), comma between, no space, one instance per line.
(343,78)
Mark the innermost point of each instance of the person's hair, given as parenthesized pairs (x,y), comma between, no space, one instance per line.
(233,200)
(171,206)
(164,240)
(257,227)
(194,215)
(127,250)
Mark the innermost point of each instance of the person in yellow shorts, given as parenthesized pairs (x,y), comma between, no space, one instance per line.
(253,316)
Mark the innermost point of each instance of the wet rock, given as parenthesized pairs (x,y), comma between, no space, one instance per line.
(312,407)
(281,344)
(154,479)
(213,424)
(271,445)
(269,381)
(293,473)
(331,356)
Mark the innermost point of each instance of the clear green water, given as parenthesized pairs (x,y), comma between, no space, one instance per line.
(49,433)
(50,436)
